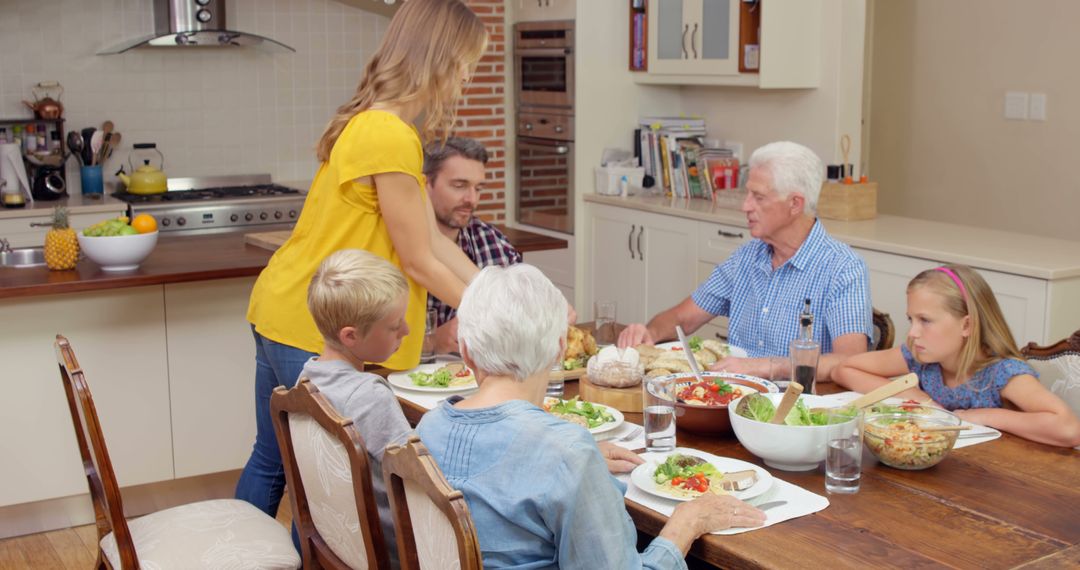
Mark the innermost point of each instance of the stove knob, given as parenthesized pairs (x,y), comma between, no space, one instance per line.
(181,221)
(263,216)
(292,213)
(166,221)
(277,215)
(248,217)
(558,128)
(234,218)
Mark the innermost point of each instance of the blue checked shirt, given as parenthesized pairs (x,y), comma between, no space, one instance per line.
(485,246)
(763,305)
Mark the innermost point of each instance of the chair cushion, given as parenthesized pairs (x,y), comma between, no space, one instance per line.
(1061,375)
(436,541)
(224,533)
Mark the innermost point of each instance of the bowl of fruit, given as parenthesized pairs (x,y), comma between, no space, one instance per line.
(117,245)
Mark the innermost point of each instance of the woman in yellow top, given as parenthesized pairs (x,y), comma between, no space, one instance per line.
(367,194)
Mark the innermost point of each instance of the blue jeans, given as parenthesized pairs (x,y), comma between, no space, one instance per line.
(262,482)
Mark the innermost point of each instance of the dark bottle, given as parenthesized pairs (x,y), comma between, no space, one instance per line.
(805,352)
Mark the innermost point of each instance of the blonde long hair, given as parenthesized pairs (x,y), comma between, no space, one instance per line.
(990,339)
(419,60)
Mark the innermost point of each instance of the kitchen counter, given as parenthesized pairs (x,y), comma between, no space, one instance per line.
(1007,252)
(77,204)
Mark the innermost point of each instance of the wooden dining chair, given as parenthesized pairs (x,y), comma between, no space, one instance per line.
(208,534)
(1058,366)
(329,478)
(432,522)
(884,331)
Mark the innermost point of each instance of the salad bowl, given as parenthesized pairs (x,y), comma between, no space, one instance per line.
(783,446)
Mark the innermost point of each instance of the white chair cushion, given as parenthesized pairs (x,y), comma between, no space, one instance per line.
(1061,375)
(224,533)
(436,543)
(328,484)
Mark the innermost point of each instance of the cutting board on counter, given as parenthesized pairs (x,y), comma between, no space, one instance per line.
(268,240)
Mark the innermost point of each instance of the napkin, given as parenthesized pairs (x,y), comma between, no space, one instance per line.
(974,436)
(800,502)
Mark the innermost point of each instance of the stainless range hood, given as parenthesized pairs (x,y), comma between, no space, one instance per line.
(192,23)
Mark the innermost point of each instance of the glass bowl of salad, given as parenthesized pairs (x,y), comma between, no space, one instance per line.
(702,407)
(910,436)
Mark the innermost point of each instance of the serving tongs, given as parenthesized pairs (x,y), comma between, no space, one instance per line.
(791,395)
(690,359)
(905,382)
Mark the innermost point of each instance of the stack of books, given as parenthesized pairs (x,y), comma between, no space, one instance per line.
(670,150)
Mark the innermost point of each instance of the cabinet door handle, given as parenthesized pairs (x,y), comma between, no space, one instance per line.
(693,40)
(630,240)
(722,233)
(640,255)
(685,28)
(41,224)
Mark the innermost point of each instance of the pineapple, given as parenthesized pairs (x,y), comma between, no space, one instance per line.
(61,244)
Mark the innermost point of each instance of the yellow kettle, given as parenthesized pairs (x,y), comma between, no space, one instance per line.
(145,179)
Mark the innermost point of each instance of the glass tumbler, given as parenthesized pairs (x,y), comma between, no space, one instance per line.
(658,407)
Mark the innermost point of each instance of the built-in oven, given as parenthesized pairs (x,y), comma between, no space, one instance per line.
(544,63)
(545,171)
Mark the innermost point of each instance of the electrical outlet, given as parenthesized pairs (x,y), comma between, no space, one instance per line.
(1016,105)
(736,149)
(1037,108)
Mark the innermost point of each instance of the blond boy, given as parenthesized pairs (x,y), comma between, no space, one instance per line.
(358,301)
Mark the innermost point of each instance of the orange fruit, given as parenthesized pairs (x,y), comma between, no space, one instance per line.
(144,224)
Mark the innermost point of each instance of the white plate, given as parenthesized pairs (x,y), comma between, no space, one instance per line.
(642,475)
(606,427)
(733,350)
(402,380)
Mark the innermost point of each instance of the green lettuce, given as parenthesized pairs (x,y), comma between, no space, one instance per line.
(440,378)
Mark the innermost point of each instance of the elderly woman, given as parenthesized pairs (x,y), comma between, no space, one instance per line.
(538,487)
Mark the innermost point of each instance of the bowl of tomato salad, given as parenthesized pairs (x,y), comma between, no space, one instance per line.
(701,407)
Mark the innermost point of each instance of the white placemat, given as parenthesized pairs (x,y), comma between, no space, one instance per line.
(628,435)
(426,400)
(800,502)
(974,436)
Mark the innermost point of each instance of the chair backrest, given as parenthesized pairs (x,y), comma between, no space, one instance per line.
(432,522)
(884,331)
(329,478)
(1058,366)
(104,491)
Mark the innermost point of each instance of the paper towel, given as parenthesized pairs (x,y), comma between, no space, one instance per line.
(13,171)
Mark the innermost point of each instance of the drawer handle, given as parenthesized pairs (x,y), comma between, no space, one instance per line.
(640,254)
(686,28)
(722,233)
(41,224)
(693,40)
(630,240)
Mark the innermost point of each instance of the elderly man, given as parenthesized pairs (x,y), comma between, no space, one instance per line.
(761,287)
(455,177)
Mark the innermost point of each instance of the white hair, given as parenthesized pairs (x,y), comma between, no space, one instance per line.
(794,168)
(511,320)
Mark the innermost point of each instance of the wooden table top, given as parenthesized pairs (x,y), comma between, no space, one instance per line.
(1001,504)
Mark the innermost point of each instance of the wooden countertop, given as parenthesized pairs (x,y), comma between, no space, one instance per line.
(183,259)
(1008,252)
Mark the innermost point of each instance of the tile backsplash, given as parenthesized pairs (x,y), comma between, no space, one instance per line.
(210,110)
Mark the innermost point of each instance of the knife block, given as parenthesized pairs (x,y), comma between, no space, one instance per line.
(848,202)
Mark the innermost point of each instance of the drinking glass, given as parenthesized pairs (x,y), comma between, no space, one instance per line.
(555,386)
(843,461)
(658,407)
(427,352)
(604,319)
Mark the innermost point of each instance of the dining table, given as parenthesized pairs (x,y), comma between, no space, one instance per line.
(1007,503)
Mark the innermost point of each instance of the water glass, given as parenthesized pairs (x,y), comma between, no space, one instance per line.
(555,386)
(843,461)
(427,352)
(658,407)
(604,322)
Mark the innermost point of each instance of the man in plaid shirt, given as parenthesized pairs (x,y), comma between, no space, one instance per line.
(455,178)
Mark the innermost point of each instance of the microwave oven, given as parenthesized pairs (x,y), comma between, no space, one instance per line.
(544,64)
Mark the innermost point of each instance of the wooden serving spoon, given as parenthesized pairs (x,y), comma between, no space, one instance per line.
(905,382)
(794,389)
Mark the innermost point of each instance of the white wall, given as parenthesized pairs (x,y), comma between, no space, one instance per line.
(211,111)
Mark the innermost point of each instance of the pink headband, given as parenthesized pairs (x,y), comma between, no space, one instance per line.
(955,279)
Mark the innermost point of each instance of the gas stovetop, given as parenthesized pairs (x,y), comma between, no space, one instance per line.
(219,204)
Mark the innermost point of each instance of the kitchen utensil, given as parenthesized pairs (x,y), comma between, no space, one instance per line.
(790,397)
(107,127)
(87,145)
(771,505)
(145,179)
(46,107)
(845,148)
(96,140)
(75,143)
(114,142)
(905,382)
(688,353)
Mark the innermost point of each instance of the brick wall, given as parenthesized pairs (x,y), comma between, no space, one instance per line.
(482,111)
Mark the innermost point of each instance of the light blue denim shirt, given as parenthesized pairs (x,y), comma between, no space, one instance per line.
(538,489)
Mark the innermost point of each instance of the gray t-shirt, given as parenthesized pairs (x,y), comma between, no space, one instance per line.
(377,415)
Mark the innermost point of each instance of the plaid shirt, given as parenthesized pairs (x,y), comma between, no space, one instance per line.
(764,305)
(485,246)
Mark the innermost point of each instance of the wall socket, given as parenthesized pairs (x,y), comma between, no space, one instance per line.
(1037,107)
(1016,105)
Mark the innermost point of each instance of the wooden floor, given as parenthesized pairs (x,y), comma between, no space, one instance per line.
(70,548)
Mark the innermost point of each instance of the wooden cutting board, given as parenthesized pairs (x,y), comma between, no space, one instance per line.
(268,240)
(622,399)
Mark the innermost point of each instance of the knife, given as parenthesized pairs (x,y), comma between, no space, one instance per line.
(689,354)
(770,505)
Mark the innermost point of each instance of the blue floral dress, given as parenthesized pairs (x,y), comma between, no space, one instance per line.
(983,390)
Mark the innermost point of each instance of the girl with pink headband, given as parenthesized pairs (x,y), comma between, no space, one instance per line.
(967,360)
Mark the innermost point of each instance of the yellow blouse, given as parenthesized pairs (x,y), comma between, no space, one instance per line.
(340,213)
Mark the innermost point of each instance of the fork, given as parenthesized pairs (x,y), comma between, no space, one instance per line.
(633,434)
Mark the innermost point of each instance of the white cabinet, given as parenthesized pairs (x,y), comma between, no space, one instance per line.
(539,10)
(693,37)
(119,340)
(645,262)
(30,231)
(716,243)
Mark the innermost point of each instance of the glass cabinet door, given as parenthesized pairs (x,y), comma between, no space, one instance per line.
(693,36)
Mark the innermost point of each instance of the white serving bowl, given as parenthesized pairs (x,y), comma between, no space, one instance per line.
(118,253)
(790,448)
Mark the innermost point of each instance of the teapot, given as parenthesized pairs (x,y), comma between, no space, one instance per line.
(46,108)
(145,179)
